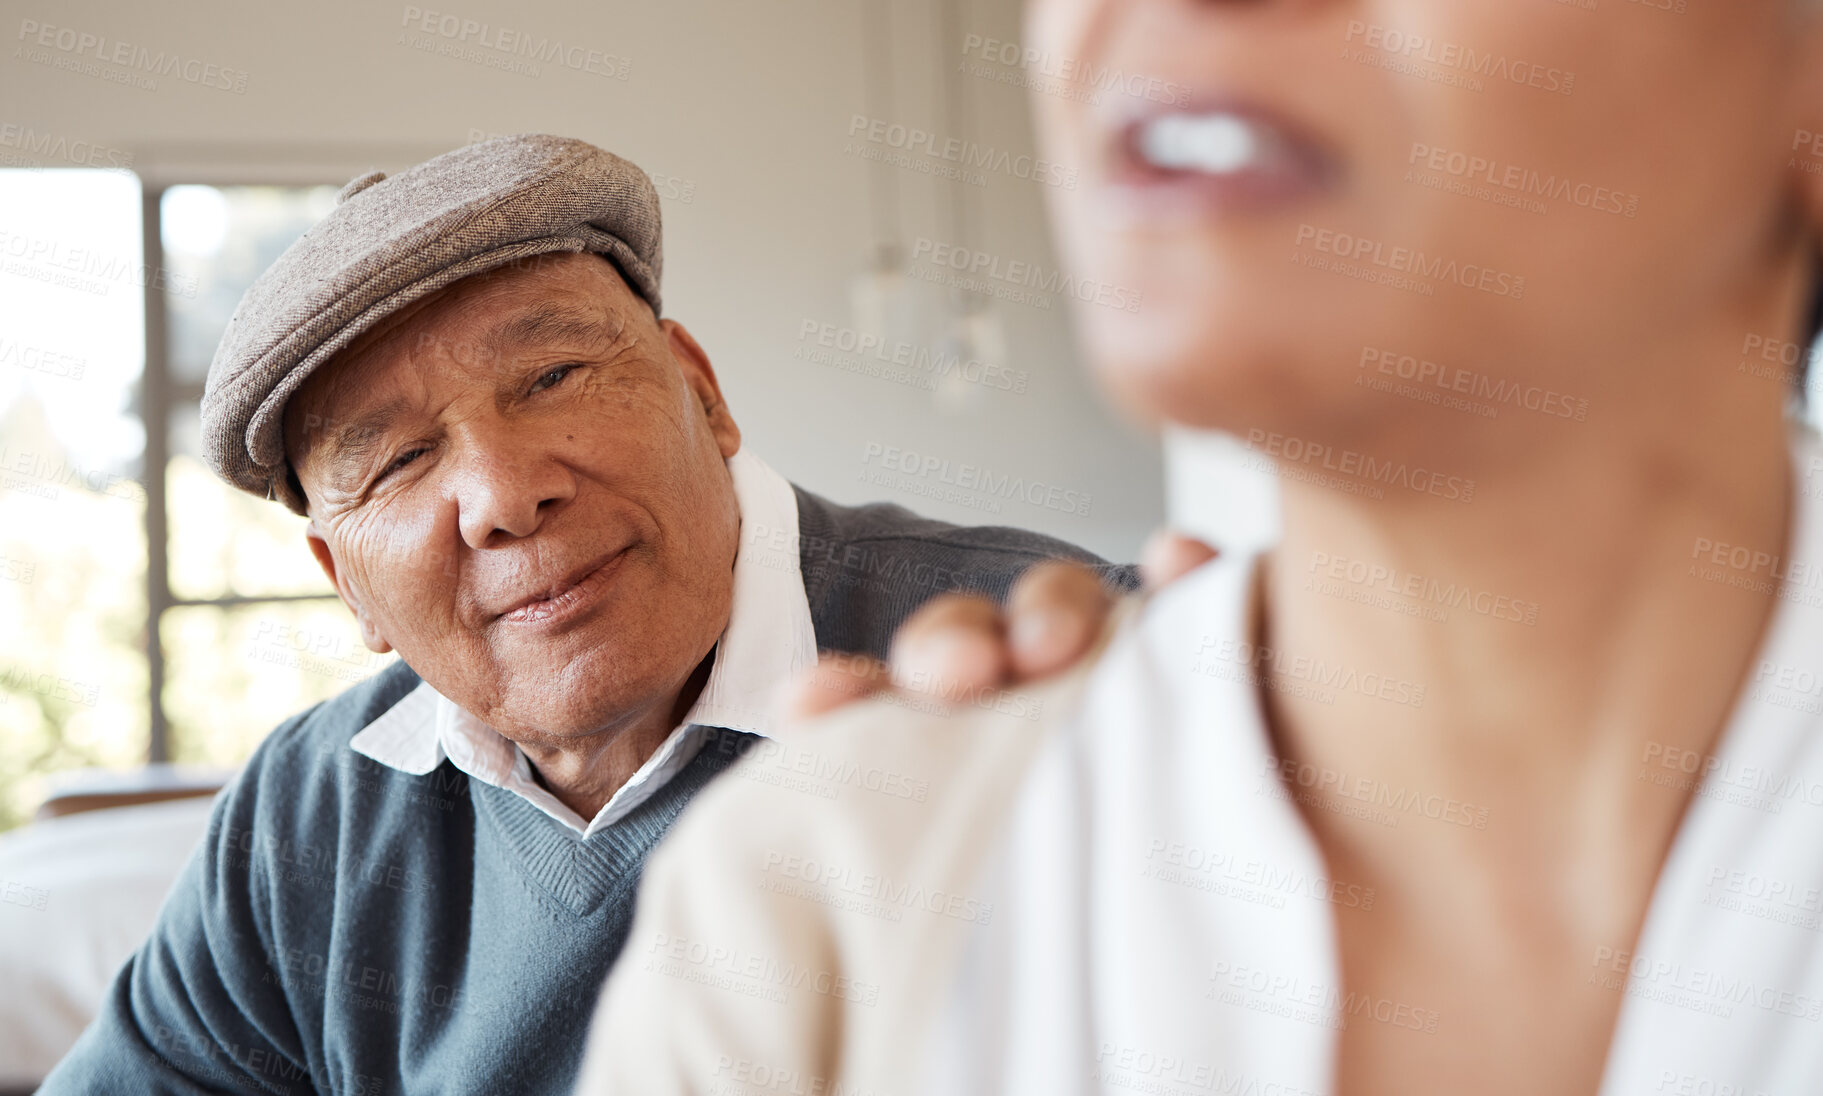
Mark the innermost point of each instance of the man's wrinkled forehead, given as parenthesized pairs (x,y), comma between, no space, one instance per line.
(577,303)
(547,299)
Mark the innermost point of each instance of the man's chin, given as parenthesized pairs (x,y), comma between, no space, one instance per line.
(586,698)
(564,726)
(585,683)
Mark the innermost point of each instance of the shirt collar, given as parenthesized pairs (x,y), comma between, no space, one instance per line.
(770,638)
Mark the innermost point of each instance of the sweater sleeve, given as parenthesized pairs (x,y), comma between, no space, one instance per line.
(706,999)
(802,924)
(201,1006)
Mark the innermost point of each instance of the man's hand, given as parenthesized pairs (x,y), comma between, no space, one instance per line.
(963,643)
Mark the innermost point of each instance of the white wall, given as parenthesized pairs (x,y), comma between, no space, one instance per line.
(745,104)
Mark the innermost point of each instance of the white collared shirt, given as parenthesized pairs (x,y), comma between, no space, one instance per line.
(1110,889)
(770,639)
(1179,923)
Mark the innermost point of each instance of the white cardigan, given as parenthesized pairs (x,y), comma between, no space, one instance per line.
(1117,895)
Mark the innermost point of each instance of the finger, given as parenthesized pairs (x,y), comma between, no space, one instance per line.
(1169,556)
(1055,611)
(954,645)
(836,681)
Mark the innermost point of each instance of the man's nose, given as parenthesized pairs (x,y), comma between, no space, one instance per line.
(508,485)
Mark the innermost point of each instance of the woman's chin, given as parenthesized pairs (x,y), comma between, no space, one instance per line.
(1206,384)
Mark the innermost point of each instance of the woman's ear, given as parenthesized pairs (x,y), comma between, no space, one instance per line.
(1805,157)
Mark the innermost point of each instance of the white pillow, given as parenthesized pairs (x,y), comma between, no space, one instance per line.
(77,895)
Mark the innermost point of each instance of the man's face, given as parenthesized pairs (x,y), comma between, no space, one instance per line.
(520,486)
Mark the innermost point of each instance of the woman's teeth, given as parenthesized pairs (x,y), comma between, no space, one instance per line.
(1219,144)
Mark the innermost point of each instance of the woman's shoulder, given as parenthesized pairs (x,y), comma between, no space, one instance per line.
(902,775)
(810,895)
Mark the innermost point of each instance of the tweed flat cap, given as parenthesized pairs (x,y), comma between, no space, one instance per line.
(392,241)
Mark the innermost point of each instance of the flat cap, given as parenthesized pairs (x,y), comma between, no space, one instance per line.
(392,241)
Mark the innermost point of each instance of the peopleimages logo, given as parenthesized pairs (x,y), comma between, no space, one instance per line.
(1464,59)
(1406,260)
(899,359)
(954,150)
(895,894)
(1811,145)
(462,33)
(1298,452)
(1771,358)
(1408,584)
(84,51)
(24,469)
(39,360)
(1026,275)
(1314,671)
(1071,71)
(972,478)
(44,148)
(1468,382)
(1243,879)
(85,269)
(1756,561)
(1702,990)
(1288,772)
(67,689)
(1523,183)
(1281,994)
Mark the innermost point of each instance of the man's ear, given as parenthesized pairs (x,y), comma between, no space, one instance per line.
(370,632)
(700,375)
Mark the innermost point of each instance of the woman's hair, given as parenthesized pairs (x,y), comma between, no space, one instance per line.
(1814,329)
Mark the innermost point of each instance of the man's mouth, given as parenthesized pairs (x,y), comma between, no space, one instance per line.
(567,597)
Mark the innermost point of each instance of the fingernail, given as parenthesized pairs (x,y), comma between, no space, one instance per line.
(1031,631)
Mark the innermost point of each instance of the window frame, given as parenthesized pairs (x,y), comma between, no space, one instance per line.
(159,397)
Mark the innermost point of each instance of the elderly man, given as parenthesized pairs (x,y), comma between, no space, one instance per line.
(528,484)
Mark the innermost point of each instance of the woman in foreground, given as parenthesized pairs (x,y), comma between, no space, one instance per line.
(1502,771)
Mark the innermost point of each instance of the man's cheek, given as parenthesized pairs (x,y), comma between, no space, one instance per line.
(403,586)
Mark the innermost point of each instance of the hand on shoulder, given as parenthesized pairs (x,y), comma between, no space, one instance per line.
(956,644)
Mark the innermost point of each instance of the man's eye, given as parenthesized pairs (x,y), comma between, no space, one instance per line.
(402,460)
(551,377)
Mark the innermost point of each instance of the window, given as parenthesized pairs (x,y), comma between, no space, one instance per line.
(166,615)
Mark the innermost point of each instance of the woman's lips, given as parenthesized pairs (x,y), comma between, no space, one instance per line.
(1216,158)
(568,600)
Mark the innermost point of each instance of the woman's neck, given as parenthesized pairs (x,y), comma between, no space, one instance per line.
(1526,651)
